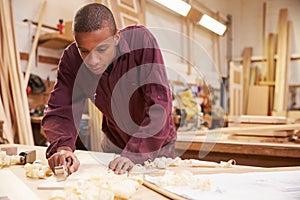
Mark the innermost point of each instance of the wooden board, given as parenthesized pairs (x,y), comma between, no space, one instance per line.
(272,133)
(281,84)
(271,68)
(12,181)
(219,131)
(258,100)
(259,119)
(259,138)
(247,53)
(162,191)
(235,89)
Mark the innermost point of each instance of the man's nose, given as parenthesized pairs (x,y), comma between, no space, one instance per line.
(93,58)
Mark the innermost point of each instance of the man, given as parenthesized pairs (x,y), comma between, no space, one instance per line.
(123,73)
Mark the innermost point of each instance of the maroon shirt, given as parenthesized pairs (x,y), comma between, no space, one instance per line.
(133,94)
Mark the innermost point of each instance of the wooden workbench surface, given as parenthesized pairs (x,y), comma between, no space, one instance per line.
(20,186)
(24,187)
(263,154)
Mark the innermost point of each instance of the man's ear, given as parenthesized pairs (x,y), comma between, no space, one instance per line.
(117,38)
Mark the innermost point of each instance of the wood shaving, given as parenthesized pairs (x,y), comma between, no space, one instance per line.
(107,186)
(180,178)
(164,163)
(6,160)
(37,170)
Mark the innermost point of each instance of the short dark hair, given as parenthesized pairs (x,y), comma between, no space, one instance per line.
(94,16)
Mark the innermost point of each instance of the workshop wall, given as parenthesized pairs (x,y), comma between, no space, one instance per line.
(171,32)
(247,32)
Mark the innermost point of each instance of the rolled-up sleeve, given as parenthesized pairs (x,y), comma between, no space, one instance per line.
(63,114)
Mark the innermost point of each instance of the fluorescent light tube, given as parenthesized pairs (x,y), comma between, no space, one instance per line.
(212,24)
(179,6)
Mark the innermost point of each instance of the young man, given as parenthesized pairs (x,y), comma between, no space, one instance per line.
(123,73)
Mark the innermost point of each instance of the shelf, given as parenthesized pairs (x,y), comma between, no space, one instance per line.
(54,41)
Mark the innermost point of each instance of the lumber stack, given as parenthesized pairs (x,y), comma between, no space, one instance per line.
(269,84)
(14,109)
(256,131)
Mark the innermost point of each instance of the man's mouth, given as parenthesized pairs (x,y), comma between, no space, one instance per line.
(98,69)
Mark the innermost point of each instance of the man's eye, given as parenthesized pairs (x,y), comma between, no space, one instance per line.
(84,51)
(101,49)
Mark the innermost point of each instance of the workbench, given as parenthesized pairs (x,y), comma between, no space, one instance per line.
(16,185)
(260,154)
(24,187)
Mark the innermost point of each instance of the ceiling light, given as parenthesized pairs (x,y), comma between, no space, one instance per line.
(179,6)
(212,24)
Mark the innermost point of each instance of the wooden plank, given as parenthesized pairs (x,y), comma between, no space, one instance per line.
(264,49)
(258,100)
(218,131)
(41,59)
(13,181)
(26,125)
(254,76)
(35,43)
(259,119)
(281,87)
(271,68)
(235,89)
(162,191)
(247,138)
(12,62)
(247,53)
(294,114)
(270,133)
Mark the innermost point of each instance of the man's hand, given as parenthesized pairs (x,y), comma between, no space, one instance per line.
(64,156)
(121,165)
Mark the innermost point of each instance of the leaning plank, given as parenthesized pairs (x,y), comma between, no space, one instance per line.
(7,132)
(247,53)
(34,43)
(6,104)
(235,89)
(258,106)
(281,84)
(5,20)
(271,68)
(12,63)
(27,122)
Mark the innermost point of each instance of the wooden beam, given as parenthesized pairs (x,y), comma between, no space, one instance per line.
(235,89)
(188,35)
(271,68)
(247,53)
(232,130)
(41,59)
(281,86)
(264,50)
(35,43)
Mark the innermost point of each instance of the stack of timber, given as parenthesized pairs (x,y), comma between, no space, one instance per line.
(268,81)
(259,131)
(14,110)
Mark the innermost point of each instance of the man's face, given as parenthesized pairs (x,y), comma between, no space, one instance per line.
(97,48)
